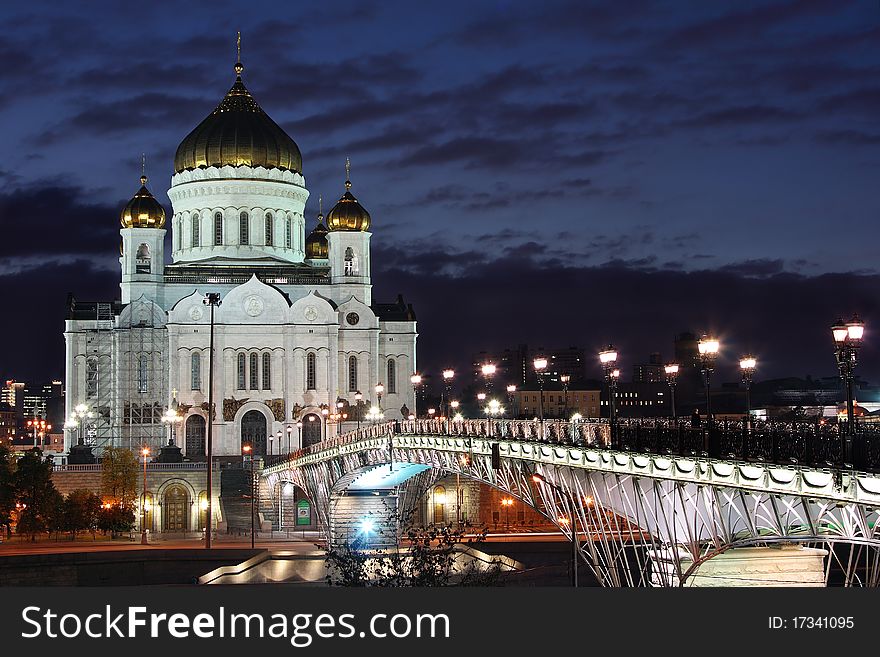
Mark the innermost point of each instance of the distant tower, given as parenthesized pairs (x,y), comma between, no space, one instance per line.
(349,242)
(142,252)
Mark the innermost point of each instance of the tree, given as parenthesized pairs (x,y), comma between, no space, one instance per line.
(115,519)
(81,509)
(7,489)
(421,556)
(119,476)
(36,492)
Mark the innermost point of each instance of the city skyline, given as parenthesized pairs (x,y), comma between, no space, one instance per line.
(672,191)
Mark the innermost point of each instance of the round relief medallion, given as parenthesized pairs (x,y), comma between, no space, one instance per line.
(195,313)
(311,313)
(352,318)
(253,305)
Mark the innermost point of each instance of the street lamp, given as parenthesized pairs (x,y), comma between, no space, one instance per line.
(145,452)
(379,390)
(488,370)
(492,409)
(540,479)
(299,431)
(246,449)
(564,379)
(847,340)
(671,370)
(448,374)
(608,359)
(171,418)
(289,430)
(747,365)
(358,396)
(416,380)
(511,399)
(325,412)
(507,502)
(540,364)
(212,300)
(708,347)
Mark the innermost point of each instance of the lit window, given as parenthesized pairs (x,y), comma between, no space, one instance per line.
(195,241)
(288,233)
(352,373)
(270,233)
(142,375)
(241,375)
(218,229)
(392,376)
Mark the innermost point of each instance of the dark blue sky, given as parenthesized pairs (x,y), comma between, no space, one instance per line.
(554,172)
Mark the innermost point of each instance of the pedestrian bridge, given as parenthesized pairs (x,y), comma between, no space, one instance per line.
(650,501)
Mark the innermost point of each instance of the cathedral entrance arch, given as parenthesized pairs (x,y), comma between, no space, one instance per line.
(253,432)
(175,509)
(195,437)
(311,430)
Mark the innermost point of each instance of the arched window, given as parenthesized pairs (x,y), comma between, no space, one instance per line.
(142,260)
(241,376)
(196,230)
(143,379)
(196,371)
(243,228)
(270,231)
(311,367)
(392,376)
(288,236)
(92,377)
(254,378)
(351,263)
(267,371)
(352,373)
(218,229)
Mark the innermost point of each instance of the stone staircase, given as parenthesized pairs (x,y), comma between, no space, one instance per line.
(235,500)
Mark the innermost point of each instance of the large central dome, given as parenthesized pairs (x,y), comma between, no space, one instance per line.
(238,133)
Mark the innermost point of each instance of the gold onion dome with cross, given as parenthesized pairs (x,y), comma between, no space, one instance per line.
(348,214)
(238,133)
(143,210)
(317,247)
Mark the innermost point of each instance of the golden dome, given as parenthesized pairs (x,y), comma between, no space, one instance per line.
(238,133)
(143,210)
(316,243)
(348,214)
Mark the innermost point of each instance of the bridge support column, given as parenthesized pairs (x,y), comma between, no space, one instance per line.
(786,565)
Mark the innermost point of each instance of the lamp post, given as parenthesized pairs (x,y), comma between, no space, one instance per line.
(564,379)
(40,427)
(847,340)
(246,449)
(416,380)
(709,348)
(540,364)
(488,370)
(608,360)
(747,365)
(448,374)
(145,452)
(358,396)
(171,418)
(212,300)
(325,413)
(540,479)
(671,370)
(299,432)
(289,430)
(507,502)
(492,409)
(511,400)
(379,390)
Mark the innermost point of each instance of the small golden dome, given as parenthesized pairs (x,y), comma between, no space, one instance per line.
(143,210)
(316,243)
(348,213)
(238,133)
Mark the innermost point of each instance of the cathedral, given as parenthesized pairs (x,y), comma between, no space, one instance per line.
(301,351)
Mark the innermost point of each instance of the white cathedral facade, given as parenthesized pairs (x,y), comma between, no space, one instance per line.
(298,339)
